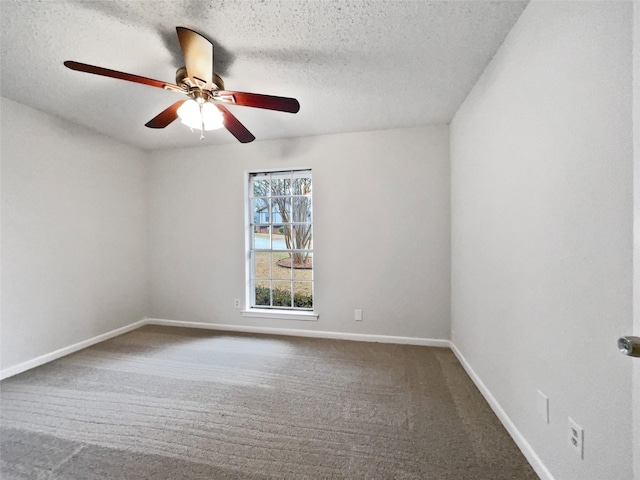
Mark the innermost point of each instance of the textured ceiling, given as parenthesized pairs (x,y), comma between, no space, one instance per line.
(353,65)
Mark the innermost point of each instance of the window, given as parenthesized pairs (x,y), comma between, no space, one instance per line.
(281,240)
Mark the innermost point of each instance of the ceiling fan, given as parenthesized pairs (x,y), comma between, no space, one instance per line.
(204,109)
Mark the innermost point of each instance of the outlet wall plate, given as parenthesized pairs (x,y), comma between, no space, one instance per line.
(576,437)
(358,315)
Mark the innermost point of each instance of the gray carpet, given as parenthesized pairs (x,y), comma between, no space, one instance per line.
(171,403)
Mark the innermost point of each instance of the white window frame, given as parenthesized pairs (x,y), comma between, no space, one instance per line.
(290,313)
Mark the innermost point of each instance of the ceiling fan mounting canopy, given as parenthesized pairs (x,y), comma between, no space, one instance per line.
(198,81)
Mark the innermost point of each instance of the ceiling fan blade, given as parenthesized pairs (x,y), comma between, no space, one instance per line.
(105,72)
(198,56)
(232,124)
(165,117)
(281,104)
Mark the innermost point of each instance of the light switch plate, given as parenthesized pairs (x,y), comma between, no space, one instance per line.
(543,406)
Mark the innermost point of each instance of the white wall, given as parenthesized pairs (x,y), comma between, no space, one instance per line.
(74,234)
(542,231)
(381,237)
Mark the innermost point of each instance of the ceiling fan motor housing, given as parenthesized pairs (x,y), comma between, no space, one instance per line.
(183,80)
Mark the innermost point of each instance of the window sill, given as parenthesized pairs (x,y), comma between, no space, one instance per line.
(280,314)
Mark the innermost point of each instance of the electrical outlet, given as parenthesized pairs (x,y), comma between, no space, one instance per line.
(236,303)
(543,406)
(576,437)
(358,315)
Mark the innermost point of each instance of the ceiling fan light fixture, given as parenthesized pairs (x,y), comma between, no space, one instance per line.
(211,116)
(189,113)
(195,115)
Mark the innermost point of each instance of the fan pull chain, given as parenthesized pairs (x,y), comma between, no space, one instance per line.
(201,123)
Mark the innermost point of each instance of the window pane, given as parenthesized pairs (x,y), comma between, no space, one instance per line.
(261,238)
(280,268)
(301,237)
(281,294)
(261,210)
(261,187)
(261,267)
(281,184)
(303,295)
(301,209)
(280,237)
(281,210)
(304,268)
(301,184)
(263,293)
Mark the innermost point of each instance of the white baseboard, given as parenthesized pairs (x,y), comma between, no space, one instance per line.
(358,337)
(524,446)
(49,357)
